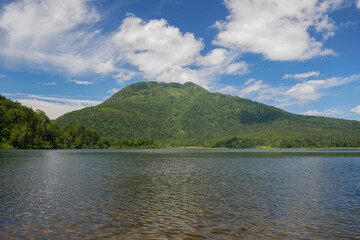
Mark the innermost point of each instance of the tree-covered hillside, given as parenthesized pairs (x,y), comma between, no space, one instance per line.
(23,128)
(177,115)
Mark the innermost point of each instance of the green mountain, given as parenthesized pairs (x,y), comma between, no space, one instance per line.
(23,128)
(178,115)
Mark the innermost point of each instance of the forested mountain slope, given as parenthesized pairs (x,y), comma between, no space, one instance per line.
(23,128)
(176,115)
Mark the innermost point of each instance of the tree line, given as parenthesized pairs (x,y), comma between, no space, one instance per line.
(23,128)
(292,141)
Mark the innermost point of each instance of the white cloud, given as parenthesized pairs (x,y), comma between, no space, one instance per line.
(251,86)
(105,67)
(52,110)
(160,51)
(53,107)
(326,113)
(358,4)
(302,75)
(356,109)
(229,66)
(54,35)
(82,82)
(312,113)
(237,68)
(48,83)
(2,76)
(301,93)
(277,29)
(124,76)
(256,90)
(215,57)
(63,35)
(309,90)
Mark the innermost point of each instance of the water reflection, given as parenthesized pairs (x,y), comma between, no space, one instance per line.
(179,194)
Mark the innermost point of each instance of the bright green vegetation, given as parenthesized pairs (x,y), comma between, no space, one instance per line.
(189,115)
(23,128)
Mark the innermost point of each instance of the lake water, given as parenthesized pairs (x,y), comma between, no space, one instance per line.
(186,194)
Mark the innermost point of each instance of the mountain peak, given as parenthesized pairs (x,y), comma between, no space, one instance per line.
(157,88)
(187,114)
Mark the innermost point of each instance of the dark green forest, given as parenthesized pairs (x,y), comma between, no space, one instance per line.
(188,115)
(155,114)
(23,128)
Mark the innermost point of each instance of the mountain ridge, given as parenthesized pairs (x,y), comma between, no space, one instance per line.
(186,114)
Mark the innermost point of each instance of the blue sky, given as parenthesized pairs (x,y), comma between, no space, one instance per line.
(299,55)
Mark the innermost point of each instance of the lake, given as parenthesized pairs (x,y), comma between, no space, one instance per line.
(180,193)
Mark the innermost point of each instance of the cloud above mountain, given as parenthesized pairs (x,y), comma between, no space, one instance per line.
(160,51)
(62,35)
(279,30)
(53,34)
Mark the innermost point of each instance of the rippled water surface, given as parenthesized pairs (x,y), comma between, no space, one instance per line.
(186,194)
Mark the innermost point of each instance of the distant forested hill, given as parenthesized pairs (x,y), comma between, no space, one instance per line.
(180,115)
(23,128)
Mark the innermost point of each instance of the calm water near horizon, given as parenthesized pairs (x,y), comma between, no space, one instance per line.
(180,194)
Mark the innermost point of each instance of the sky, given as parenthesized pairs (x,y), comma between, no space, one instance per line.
(302,56)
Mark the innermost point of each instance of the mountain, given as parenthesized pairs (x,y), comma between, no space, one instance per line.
(23,128)
(177,115)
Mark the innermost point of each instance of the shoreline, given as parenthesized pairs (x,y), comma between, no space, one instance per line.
(183,147)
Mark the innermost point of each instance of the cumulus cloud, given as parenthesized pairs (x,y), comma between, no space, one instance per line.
(215,57)
(160,51)
(309,90)
(300,93)
(356,109)
(277,29)
(63,35)
(302,75)
(54,34)
(54,107)
(78,82)
(105,67)
(163,53)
